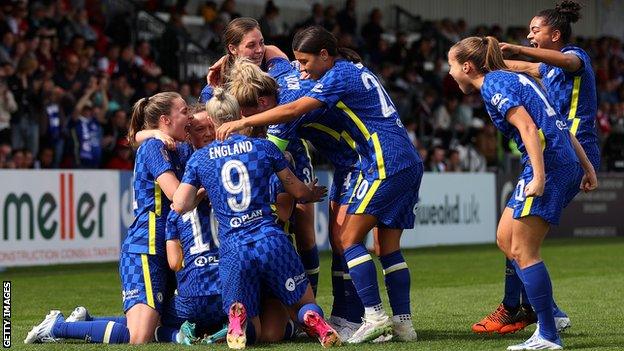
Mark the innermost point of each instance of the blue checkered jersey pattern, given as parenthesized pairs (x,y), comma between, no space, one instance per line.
(355,94)
(236,174)
(199,275)
(503,90)
(574,97)
(206,94)
(146,235)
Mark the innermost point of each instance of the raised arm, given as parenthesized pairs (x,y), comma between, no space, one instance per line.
(521,119)
(145,134)
(280,114)
(568,62)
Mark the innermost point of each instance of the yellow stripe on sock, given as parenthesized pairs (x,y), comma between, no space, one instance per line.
(395,267)
(357,261)
(107,332)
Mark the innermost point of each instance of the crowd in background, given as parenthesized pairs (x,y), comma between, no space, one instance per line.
(69,76)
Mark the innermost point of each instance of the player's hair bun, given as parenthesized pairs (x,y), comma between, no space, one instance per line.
(219,94)
(570,9)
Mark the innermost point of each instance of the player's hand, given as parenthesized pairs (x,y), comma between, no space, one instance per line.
(318,192)
(589,181)
(535,187)
(214,72)
(509,48)
(169,142)
(226,129)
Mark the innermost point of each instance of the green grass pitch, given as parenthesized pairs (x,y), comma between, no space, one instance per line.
(452,287)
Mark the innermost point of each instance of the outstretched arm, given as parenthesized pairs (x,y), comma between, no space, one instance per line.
(280,114)
(568,62)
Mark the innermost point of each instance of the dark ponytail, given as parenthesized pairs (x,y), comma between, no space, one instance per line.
(561,17)
(313,39)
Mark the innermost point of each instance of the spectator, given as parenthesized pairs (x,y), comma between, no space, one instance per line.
(5,154)
(347,18)
(317,17)
(209,11)
(122,158)
(45,160)
(227,12)
(453,161)
(24,124)
(7,107)
(372,30)
(436,160)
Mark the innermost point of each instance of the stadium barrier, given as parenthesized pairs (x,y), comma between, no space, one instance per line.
(60,216)
(595,214)
(76,216)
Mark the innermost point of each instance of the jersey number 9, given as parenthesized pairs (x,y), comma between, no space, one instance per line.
(241,187)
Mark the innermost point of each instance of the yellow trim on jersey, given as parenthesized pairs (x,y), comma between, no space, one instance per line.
(575,125)
(148,281)
(527,206)
(279,142)
(151,233)
(376,145)
(395,267)
(107,332)
(324,128)
(357,261)
(576,89)
(157,199)
(369,195)
(379,155)
(358,122)
(334,133)
(542,138)
(348,139)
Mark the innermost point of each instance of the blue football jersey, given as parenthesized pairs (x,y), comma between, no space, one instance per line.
(206,94)
(199,275)
(574,97)
(328,135)
(503,90)
(354,93)
(291,88)
(236,174)
(146,235)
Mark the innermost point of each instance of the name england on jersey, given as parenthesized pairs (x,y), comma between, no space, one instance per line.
(229,150)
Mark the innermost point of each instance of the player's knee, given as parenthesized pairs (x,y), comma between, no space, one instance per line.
(141,336)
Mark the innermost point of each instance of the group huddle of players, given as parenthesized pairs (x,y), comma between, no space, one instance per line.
(217,194)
